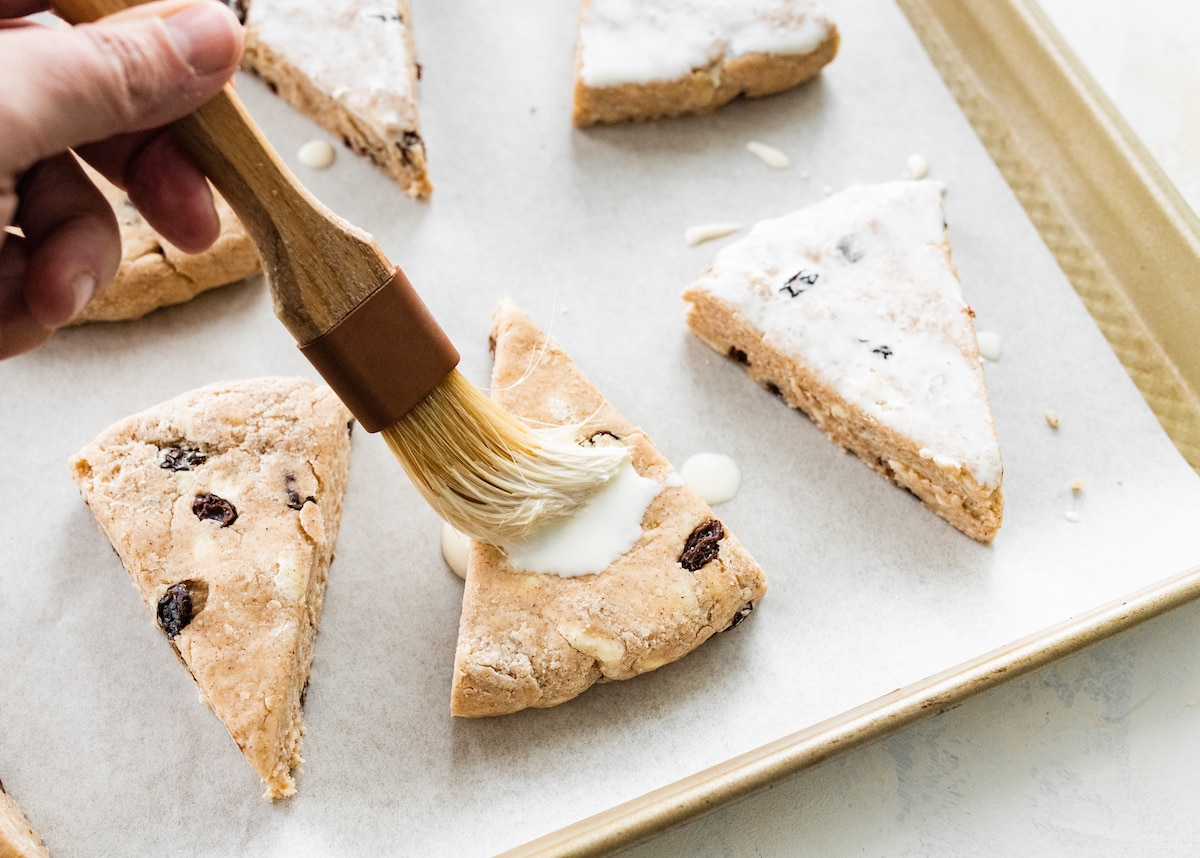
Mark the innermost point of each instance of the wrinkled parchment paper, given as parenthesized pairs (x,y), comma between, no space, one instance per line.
(101,735)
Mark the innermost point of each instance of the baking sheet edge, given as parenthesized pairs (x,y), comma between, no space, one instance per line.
(1127,242)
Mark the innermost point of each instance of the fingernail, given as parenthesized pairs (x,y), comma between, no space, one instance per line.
(83,287)
(203,35)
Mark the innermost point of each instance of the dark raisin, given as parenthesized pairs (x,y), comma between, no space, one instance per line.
(703,544)
(849,252)
(274,87)
(885,351)
(420,71)
(492,345)
(180,459)
(350,426)
(591,439)
(800,282)
(742,613)
(209,506)
(294,500)
(773,389)
(175,609)
(738,355)
(411,142)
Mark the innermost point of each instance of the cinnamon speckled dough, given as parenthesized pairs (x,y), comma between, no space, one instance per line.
(153,273)
(851,311)
(538,639)
(17,837)
(164,486)
(350,67)
(647,59)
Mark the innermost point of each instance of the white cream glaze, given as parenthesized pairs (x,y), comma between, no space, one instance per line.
(604,529)
(357,51)
(882,281)
(640,41)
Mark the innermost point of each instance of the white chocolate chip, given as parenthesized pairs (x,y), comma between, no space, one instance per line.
(1072,516)
(769,155)
(708,231)
(606,650)
(316,154)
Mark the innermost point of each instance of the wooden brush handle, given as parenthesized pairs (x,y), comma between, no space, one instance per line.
(319,267)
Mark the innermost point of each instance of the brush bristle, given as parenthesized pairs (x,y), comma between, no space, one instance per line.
(486,473)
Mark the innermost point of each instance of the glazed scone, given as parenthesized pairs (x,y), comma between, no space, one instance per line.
(154,273)
(17,837)
(537,639)
(851,310)
(350,67)
(224,505)
(646,59)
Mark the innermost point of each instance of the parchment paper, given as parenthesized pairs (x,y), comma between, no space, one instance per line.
(101,735)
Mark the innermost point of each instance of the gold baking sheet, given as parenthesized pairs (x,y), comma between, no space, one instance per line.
(868,592)
(1129,245)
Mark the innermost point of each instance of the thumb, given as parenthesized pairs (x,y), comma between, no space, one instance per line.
(126,73)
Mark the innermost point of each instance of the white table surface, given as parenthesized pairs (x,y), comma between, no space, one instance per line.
(1097,754)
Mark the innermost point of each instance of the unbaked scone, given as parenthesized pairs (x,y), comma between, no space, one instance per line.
(645,59)
(224,505)
(17,837)
(851,310)
(154,273)
(350,67)
(537,639)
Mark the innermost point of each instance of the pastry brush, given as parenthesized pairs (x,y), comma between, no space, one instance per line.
(362,325)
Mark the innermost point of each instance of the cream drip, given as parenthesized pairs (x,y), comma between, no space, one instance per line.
(713,476)
(456,548)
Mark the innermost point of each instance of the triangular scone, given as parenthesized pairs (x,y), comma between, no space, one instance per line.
(224,505)
(17,837)
(539,639)
(645,59)
(852,311)
(351,67)
(154,273)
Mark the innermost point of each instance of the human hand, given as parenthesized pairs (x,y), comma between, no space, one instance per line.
(104,90)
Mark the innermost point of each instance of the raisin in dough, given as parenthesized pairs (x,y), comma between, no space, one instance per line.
(17,837)
(350,67)
(645,59)
(153,273)
(851,310)
(539,639)
(224,505)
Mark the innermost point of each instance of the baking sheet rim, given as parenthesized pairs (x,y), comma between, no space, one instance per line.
(741,776)
(748,773)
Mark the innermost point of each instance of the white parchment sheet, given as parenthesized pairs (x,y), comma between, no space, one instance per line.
(101,735)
